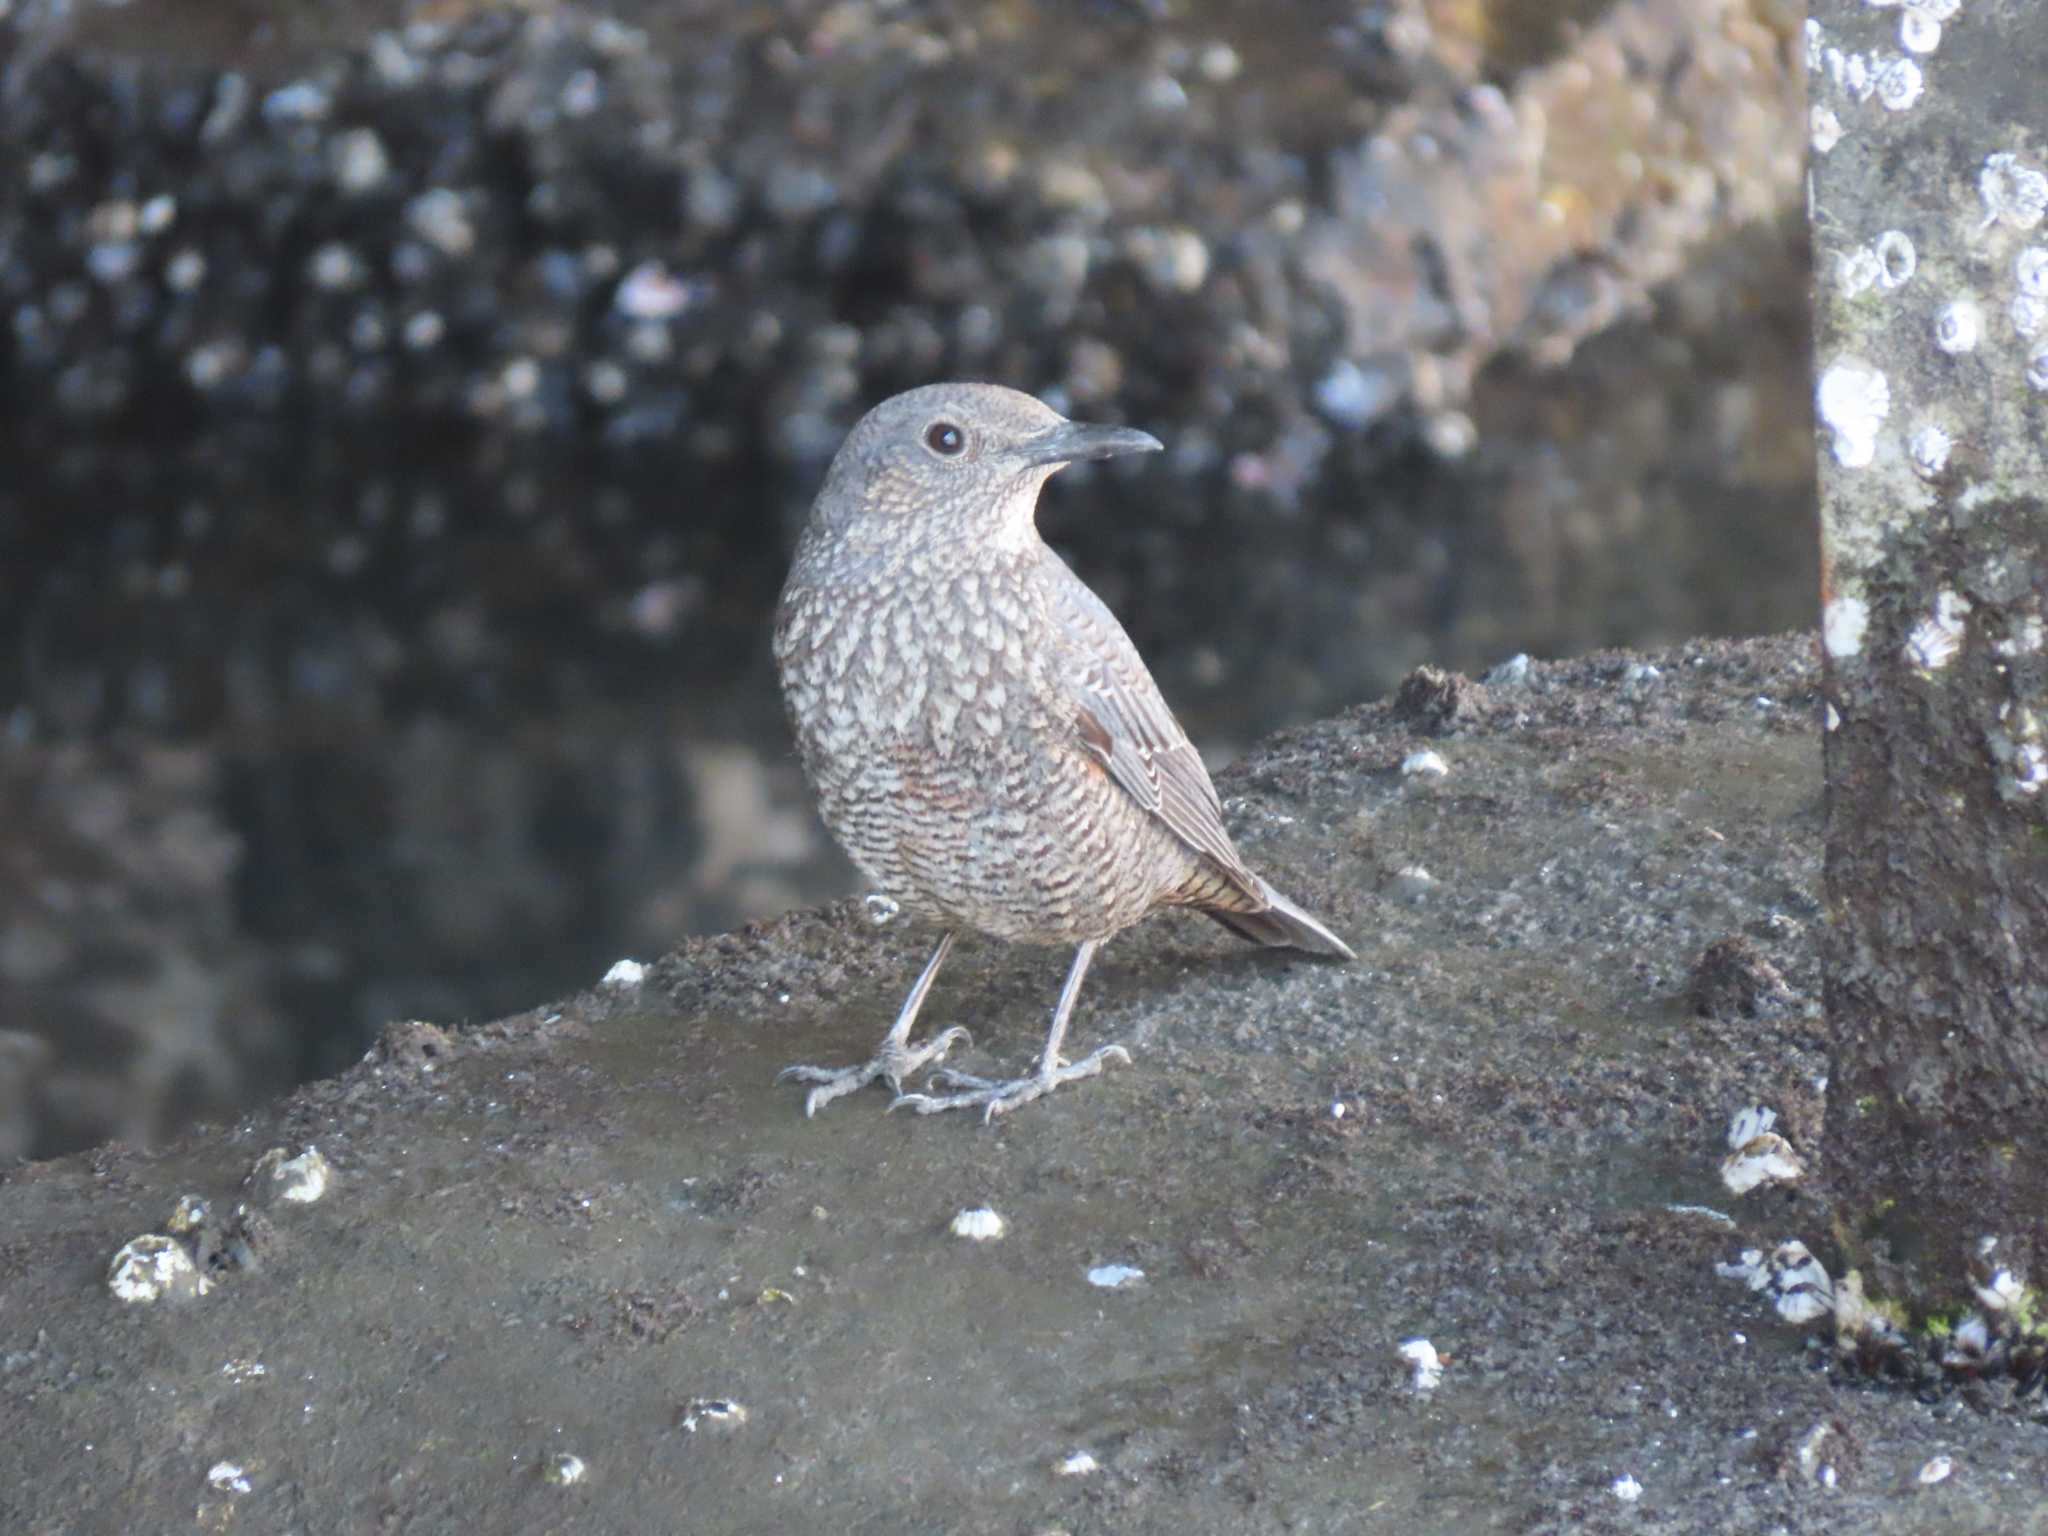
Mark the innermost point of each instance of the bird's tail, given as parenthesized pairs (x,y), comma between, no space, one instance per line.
(1282,924)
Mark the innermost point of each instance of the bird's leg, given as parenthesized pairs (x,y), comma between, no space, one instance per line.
(997,1097)
(895,1059)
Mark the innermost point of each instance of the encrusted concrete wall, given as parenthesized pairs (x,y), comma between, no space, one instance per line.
(1929,128)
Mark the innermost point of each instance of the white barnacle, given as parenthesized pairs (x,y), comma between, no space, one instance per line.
(1959,326)
(2037,368)
(2030,271)
(1854,399)
(1843,624)
(1765,1161)
(1895,258)
(1798,1284)
(2013,192)
(299,1180)
(1852,73)
(1936,639)
(1758,1155)
(1857,271)
(1824,129)
(1919,31)
(1899,84)
(1793,1278)
(2002,1293)
(1928,448)
(1748,1267)
(2028,313)
(154,1267)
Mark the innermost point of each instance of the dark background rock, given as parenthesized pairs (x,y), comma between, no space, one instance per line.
(408,408)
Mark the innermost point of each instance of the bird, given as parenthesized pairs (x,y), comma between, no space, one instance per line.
(983,738)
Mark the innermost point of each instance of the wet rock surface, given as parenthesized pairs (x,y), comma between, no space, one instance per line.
(599,1234)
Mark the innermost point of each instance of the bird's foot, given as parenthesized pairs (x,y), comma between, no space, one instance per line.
(998,1096)
(891,1064)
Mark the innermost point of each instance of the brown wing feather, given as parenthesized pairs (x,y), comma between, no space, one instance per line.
(1125,723)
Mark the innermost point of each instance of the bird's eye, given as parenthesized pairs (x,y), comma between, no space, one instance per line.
(944,439)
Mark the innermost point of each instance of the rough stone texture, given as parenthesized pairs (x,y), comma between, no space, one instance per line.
(579,1231)
(1930,188)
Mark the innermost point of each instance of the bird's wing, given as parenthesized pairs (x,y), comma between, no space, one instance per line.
(1124,722)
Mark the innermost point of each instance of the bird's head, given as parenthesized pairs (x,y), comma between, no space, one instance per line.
(957,461)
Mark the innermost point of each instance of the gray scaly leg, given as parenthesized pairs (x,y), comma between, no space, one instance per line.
(895,1059)
(995,1096)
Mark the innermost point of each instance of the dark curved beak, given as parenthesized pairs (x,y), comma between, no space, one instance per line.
(1072,440)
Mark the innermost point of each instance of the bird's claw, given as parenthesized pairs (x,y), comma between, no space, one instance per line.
(994,1096)
(891,1065)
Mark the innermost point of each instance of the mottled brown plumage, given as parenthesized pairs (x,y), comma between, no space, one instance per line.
(984,739)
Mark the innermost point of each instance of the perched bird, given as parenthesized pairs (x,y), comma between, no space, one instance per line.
(984,739)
